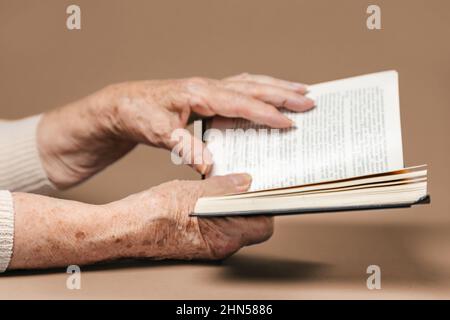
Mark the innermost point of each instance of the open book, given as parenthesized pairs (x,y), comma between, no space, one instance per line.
(345,154)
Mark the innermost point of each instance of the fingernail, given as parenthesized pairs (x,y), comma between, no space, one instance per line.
(294,125)
(203,168)
(310,102)
(287,122)
(241,179)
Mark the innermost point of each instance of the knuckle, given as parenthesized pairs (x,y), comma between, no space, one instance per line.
(244,75)
(178,196)
(196,82)
(242,105)
(160,136)
(197,90)
(284,102)
(195,190)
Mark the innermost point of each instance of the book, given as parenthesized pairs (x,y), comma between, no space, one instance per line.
(345,154)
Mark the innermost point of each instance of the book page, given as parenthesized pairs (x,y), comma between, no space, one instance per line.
(354,130)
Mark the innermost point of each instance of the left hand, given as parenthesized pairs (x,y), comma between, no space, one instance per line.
(84,137)
(156,224)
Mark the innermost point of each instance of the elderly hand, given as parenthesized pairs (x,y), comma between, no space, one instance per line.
(84,137)
(152,224)
(156,223)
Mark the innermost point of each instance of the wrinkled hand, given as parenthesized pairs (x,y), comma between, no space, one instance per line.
(156,223)
(84,137)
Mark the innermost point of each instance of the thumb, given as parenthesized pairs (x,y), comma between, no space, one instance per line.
(222,185)
(188,149)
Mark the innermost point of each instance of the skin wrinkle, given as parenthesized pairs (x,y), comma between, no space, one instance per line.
(70,235)
(82,138)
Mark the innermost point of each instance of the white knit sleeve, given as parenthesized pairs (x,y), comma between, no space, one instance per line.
(20,165)
(20,170)
(6,228)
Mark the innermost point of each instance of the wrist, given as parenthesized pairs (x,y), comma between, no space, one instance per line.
(109,236)
(50,141)
(133,232)
(77,140)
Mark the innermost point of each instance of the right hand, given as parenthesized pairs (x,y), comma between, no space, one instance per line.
(82,138)
(156,223)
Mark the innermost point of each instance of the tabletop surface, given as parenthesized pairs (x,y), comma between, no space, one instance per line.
(321,256)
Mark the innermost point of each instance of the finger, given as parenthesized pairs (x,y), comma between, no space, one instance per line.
(263,79)
(249,230)
(277,96)
(258,229)
(190,150)
(228,103)
(228,184)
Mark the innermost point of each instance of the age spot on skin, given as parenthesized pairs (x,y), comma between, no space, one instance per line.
(161,242)
(147,242)
(80,235)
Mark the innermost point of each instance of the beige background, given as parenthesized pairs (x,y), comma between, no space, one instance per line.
(43,65)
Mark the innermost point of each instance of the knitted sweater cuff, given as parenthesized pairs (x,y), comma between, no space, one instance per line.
(6,228)
(20,164)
